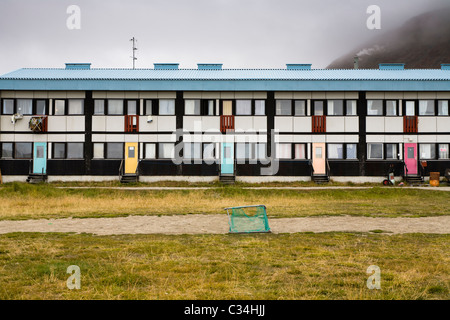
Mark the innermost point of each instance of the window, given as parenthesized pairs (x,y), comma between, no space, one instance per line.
(60,107)
(442,108)
(192,150)
(335,151)
(300,108)
(427,151)
(148,107)
(410,108)
(283,108)
(59,150)
(284,151)
(374,151)
(242,151)
(114,150)
(192,107)
(318,108)
(166,150)
(132,107)
(209,151)
(335,107)
(99,107)
(23,150)
(443,151)
(210,108)
(260,108)
(374,107)
(99,152)
(351,107)
(115,107)
(351,151)
(391,151)
(166,107)
(426,107)
(75,150)
(7,150)
(318,152)
(8,106)
(299,151)
(24,106)
(260,151)
(150,151)
(391,108)
(41,106)
(76,106)
(243,107)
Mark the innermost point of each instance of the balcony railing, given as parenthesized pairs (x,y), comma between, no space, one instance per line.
(319,124)
(226,123)
(38,124)
(410,124)
(131,123)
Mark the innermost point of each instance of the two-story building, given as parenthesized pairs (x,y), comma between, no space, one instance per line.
(209,123)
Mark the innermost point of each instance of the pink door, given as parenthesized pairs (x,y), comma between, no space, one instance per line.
(411,157)
(318,157)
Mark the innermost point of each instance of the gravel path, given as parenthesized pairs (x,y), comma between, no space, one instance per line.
(218,224)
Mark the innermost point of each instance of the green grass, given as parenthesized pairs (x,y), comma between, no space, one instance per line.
(259,266)
(25,201)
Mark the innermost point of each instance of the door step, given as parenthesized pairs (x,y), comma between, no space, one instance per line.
(320,178)
(129,178)
(414,180)
(227,179)
(36,178)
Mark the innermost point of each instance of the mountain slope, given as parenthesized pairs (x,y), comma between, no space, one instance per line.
(422,42)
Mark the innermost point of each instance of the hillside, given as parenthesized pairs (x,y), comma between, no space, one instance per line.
(422,42)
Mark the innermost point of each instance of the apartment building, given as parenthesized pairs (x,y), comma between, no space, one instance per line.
(209,123)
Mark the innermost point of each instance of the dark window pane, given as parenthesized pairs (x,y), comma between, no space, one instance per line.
(59,150)
(114,150)
(24,150)
(75,150)
(7,150)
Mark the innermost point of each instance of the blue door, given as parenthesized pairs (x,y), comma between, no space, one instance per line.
(40,158)
(227,158)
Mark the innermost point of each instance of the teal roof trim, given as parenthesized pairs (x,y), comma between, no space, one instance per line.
(227,79)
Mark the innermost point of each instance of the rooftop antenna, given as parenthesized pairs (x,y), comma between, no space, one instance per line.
(134,51)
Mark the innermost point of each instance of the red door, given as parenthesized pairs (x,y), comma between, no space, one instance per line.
(411,157)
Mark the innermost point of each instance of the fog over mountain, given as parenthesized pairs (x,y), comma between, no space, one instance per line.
(422,42)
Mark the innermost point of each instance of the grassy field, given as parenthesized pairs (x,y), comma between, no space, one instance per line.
(258,266)
(25,201)
(264,266)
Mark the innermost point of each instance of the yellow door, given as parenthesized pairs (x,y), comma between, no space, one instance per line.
(131,157)
(227,108)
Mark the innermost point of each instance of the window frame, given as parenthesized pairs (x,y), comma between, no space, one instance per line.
(75,114)
(106,150)
(12,150)
(288,107)
(15,150)
(171,104)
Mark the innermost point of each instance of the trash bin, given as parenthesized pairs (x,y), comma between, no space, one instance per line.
(434,179)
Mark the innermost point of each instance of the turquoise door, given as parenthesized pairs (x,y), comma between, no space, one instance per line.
(40,158)
(227,158)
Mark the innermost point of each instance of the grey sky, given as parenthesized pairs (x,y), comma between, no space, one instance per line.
(237,33)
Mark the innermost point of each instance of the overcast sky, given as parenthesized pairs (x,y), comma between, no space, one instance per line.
(237,33)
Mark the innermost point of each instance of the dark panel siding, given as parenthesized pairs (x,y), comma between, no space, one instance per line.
(15,167)
(66,167)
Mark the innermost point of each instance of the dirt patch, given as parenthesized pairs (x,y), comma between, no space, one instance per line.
(218,224)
